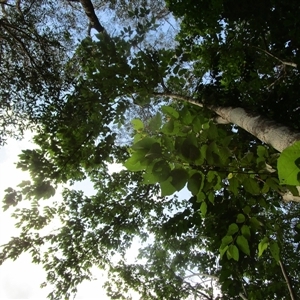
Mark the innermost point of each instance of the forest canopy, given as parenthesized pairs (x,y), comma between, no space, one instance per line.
(199,96)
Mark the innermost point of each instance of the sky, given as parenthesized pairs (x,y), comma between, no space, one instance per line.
(21,279)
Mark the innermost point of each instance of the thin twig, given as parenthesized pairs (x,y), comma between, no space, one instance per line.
(283,62)
(242,296)
(287,280)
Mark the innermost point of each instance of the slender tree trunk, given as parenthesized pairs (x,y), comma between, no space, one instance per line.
(90,12)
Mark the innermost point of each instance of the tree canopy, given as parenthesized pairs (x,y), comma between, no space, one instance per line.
(200,96)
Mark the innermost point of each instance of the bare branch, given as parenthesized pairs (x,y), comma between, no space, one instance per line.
(287,280)
(286,63)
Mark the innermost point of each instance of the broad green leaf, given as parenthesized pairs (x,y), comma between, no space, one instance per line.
(273,183)
(167,188)
(170,111)
(211,197)
(195,183)
(212,131)
(262,151)
(247,210)
(251,186)
(203,151)
(168,127)
(227,239)
(240,218)
(288,165)
(149,178)
(186,116)
(265,189)
(133,166)
(137,124)
(222,251)
(189,150)
(203,209)
(211,175)
(155,122)
(161,170)
(179,178)
(233,252)
(201,196)
(232,229)
(145,143)
(262,246)
(233,185)
(245,230)
(255,224)
(243,244)
(155,152)
(275,251)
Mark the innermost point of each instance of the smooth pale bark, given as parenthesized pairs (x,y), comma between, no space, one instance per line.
(269,132)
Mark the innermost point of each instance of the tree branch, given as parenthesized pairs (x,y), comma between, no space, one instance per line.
(287,280)
(90,12)
(242,296)
(286,63)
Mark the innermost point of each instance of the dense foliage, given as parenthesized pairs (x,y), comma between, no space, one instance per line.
(231,225)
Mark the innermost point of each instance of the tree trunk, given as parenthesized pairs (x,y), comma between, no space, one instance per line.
(90,12)
(268,131)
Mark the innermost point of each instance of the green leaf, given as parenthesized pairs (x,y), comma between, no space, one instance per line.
(247,210)
(251,186)
(255,224)
(168,127)
(155,122)
(149,178)
(203,209)
(211,197)
(232,229)
(161,170)
(240,218)
(227,239)
(243,244)
(201,196)
(233,252)
(137,124)
(195,183)
(131,165)
(262,151)
(222,251)
(179,178)
(170,111)
(245,230)
(155,152)
(262,246)
(186,116)
(189,149)
(275,251)
(288,165)
(145,143)
(233,185)
(167,188)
